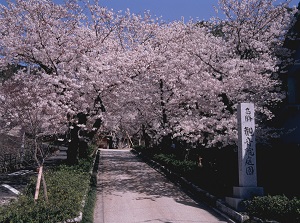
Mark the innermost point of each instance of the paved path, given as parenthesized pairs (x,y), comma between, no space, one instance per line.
(129,191)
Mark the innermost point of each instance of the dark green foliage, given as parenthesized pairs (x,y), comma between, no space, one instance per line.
(179,166)
(146,151)
(88,211)
(278,208)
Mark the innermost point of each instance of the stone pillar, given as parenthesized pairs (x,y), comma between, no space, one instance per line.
(246,157)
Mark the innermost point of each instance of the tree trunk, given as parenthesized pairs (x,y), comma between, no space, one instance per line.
(72,153)
(78,147)
(163,104)
(146,137)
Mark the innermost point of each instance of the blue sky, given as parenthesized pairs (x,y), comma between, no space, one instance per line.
(169,10)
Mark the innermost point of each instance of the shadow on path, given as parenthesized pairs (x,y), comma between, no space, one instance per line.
(122,172)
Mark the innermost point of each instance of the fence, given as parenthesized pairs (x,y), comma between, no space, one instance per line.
(11,162)
(8,162)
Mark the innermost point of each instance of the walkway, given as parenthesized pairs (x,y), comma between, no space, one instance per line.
(129,191)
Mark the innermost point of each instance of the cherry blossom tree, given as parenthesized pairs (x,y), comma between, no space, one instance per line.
(194,74)
(82,58)
(254,32)
(50,37)
(24,105)
(177,80)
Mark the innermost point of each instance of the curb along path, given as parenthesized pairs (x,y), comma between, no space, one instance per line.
(130,191)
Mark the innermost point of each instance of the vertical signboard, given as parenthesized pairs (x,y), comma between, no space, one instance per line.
(246,145)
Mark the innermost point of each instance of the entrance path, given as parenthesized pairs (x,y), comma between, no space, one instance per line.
(130,191)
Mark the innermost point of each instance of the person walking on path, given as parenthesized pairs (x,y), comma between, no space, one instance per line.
(130,191)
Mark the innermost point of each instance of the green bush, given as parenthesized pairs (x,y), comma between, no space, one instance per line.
(278,208)
(66,187)
(147,151)
(139,148)
(89,207)
(179,166)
